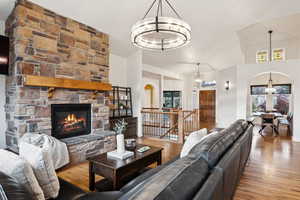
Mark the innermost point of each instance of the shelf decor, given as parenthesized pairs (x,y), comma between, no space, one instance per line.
(121,103)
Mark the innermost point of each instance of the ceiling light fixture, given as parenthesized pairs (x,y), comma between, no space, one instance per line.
(198,75)
(270,89)
(160,32)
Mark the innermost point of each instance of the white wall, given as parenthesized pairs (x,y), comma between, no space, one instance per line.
(117,70)
(160,71)
(226,99)
(2,101)
(173,85)
(134,80)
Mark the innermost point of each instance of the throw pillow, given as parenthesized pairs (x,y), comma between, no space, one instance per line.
(193,139)
(43,168)
(14,166)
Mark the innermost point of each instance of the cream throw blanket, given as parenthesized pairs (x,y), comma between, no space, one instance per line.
(57,149)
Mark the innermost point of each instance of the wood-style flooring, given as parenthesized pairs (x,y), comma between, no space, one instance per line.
(273,171)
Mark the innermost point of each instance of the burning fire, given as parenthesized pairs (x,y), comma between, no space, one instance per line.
(71,122)
(71,118)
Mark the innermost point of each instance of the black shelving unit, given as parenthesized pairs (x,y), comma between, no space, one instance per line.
(121,102)
(121,108)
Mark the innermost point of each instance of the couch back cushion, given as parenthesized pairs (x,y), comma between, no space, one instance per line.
(213,147)
(12,165)
(179,180)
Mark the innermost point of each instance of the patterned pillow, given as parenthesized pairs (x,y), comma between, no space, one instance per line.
(43,168)
(14,166)
(2,194)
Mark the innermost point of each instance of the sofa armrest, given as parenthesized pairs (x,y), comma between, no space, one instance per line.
(101,196)
(145,176)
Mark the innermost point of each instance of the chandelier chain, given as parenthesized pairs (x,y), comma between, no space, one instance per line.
(160,8)
(173,9)
(149,9)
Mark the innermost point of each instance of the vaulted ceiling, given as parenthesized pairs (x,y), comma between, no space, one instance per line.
(215,25)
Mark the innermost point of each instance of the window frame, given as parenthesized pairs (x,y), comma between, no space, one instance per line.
(253,86)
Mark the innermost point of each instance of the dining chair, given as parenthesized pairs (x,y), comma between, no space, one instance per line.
(267,120)
(286,122)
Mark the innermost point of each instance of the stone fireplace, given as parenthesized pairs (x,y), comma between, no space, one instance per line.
(46,44)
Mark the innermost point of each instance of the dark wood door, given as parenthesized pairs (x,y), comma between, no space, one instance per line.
(207,103)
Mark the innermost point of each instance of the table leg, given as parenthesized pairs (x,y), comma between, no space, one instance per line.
(159,159)
(91,177)
(116,182)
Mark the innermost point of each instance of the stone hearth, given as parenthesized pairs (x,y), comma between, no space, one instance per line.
(44,43)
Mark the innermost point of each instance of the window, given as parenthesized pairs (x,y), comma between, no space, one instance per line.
(261,56)
(259,103)
(280,100)
(172,99)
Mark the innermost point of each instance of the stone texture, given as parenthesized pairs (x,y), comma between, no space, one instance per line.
(80,152)
(47,44)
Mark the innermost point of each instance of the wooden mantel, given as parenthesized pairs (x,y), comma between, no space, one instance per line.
(43,81)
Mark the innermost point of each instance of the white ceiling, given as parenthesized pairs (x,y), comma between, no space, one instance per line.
(214,25)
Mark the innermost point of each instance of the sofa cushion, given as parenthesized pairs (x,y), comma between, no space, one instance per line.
(213,147)
(170,180)
(12,165)
(10,188)
(193,139)
(68,191)
(43,168)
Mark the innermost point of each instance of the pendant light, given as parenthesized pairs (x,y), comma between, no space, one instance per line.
(161,32)
(270,89)
(198,75)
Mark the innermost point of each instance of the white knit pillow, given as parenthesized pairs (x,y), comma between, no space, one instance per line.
(193,139)
(43,168)
(12,165)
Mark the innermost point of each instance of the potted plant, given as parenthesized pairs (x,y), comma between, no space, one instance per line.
(119,128)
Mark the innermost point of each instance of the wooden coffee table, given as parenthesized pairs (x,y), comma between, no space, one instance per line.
(115,170)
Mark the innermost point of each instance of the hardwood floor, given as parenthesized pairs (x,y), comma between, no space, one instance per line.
(78,175)
(273,171)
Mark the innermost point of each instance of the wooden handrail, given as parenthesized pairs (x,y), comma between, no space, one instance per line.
(170,125)
(176,125)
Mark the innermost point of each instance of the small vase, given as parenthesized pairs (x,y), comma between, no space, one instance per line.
(120,144)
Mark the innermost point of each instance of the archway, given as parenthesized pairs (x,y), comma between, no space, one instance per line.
(149,95)
(280,101)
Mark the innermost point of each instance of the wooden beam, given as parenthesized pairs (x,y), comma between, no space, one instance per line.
(43,81)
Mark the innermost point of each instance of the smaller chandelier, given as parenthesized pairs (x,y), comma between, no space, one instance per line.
(270,89)
(160,32)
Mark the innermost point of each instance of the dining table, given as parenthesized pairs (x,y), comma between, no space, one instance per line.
(261,114)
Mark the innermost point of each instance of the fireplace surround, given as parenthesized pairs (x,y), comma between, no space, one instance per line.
(70,120)
(46,44)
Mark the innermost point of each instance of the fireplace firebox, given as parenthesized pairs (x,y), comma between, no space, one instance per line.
(70,120)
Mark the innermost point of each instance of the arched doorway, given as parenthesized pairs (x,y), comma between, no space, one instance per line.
(149,95)
(260,100)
